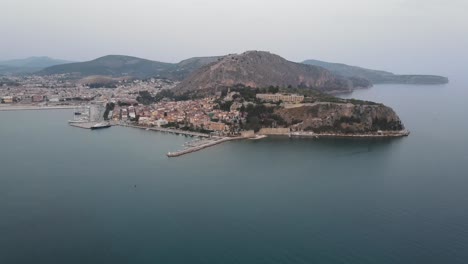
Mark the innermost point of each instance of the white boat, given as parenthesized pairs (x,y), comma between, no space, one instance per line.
(100,126)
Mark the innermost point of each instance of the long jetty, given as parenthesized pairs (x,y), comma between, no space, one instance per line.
(169,130)
(200,147)
(85,125)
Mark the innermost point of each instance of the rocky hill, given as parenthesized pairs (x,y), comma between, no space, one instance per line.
(376,76)
(120,66)
(263,69)
(342,118)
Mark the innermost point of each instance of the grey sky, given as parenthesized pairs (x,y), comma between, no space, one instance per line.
(399,35)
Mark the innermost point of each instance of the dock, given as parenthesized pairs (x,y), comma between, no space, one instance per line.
(170,130)
(84,125)
(198,147)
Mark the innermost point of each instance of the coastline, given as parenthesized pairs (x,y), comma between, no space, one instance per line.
(384,134)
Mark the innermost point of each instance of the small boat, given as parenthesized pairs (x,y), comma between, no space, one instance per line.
(100,126)
(77,113)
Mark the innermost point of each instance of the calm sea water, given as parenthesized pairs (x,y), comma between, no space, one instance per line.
(76,196)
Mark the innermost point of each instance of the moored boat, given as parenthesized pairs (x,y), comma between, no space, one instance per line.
(100,126)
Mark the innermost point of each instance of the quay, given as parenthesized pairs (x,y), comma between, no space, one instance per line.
(169,130)
(84,125)
(214,141)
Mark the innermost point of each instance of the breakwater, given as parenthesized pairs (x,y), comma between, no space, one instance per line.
(213,142)
(84,125)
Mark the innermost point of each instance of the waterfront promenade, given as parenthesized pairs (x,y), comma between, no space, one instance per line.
(383,134)
(169,130)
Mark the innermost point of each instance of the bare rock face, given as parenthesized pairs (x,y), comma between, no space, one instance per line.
(259,69)
(342,118)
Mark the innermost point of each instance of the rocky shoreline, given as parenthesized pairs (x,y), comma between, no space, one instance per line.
(383,134)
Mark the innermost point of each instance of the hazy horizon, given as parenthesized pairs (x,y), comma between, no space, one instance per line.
(412,36)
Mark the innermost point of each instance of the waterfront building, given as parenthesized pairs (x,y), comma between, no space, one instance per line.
(37,98)
(217,126)
(161,122)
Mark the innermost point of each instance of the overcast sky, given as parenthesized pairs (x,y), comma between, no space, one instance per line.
(398,35)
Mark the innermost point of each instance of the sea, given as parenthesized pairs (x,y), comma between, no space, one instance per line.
(70,195)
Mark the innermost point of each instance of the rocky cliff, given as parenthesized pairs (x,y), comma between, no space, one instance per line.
(346,118)
(263,69)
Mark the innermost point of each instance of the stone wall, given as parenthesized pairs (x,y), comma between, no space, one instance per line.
(248,134)
(274,131)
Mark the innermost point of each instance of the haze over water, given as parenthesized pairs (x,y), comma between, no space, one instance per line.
(76,196)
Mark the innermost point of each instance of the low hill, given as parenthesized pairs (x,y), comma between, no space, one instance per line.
(28,65)
(33,62)
(264,69)
(119,65)
(376,76)
(112,65)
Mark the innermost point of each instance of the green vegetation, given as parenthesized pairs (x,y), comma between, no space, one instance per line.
(311,95)
(8,82)
(259,116)
(102,85)
(144,97)
(109,107)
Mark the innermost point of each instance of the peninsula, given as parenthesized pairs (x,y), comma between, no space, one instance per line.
(248,95)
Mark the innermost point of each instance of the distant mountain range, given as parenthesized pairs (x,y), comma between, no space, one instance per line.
(259,69)
(375,76)
(119,65)
(252,68)
(28,65)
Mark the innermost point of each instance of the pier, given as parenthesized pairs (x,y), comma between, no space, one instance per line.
(197,147)
(84,125)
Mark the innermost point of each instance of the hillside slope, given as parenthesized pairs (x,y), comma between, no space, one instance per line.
(112,65)
(28,65)
(119,66)
(263,69)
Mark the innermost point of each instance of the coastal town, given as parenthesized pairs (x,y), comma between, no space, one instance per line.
(232,113)
(213,119)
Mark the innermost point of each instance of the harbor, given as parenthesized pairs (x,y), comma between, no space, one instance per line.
(89,117)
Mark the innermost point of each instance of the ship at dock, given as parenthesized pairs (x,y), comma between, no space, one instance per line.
(89,117)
